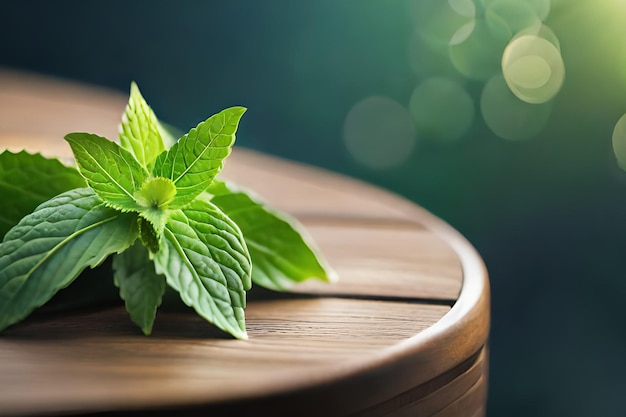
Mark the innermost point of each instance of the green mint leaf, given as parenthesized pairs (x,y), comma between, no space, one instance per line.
(139,132)
(48,248)
(205,259)
(282,252)
(27,180)
(112,172)
(140,286)
(222,236)
(193,161)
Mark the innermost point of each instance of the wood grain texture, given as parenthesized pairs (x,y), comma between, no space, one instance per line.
(102,356)
(37,111)
(403,331)
(401,260)
(307,191)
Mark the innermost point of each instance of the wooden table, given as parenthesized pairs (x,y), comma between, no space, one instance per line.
(403,332)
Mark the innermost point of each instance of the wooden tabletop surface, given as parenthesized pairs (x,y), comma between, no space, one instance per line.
(407,322)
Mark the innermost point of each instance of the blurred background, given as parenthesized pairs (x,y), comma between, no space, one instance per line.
(503,117)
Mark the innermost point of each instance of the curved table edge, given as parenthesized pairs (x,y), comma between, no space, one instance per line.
(458,337)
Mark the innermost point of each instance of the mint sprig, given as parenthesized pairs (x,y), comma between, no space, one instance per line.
(162,216)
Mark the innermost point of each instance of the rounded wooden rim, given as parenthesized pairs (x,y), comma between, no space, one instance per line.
(455,338)
(460,335)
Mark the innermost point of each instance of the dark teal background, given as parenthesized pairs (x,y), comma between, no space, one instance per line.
(547,214)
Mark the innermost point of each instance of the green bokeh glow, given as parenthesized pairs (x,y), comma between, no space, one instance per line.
(442,109)
(509,117)
(515,15)
(477,55)
(437,20)
(533,69)
(378,132)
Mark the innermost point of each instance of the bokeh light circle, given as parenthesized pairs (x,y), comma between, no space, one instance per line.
(619,142)
(528,72)
(533,68)
(544,32)
(438,20)
(540,7)
(515,15)
(463,33)
(379,133)
(465,8)
(441,109)
(477,55)
(509,117)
